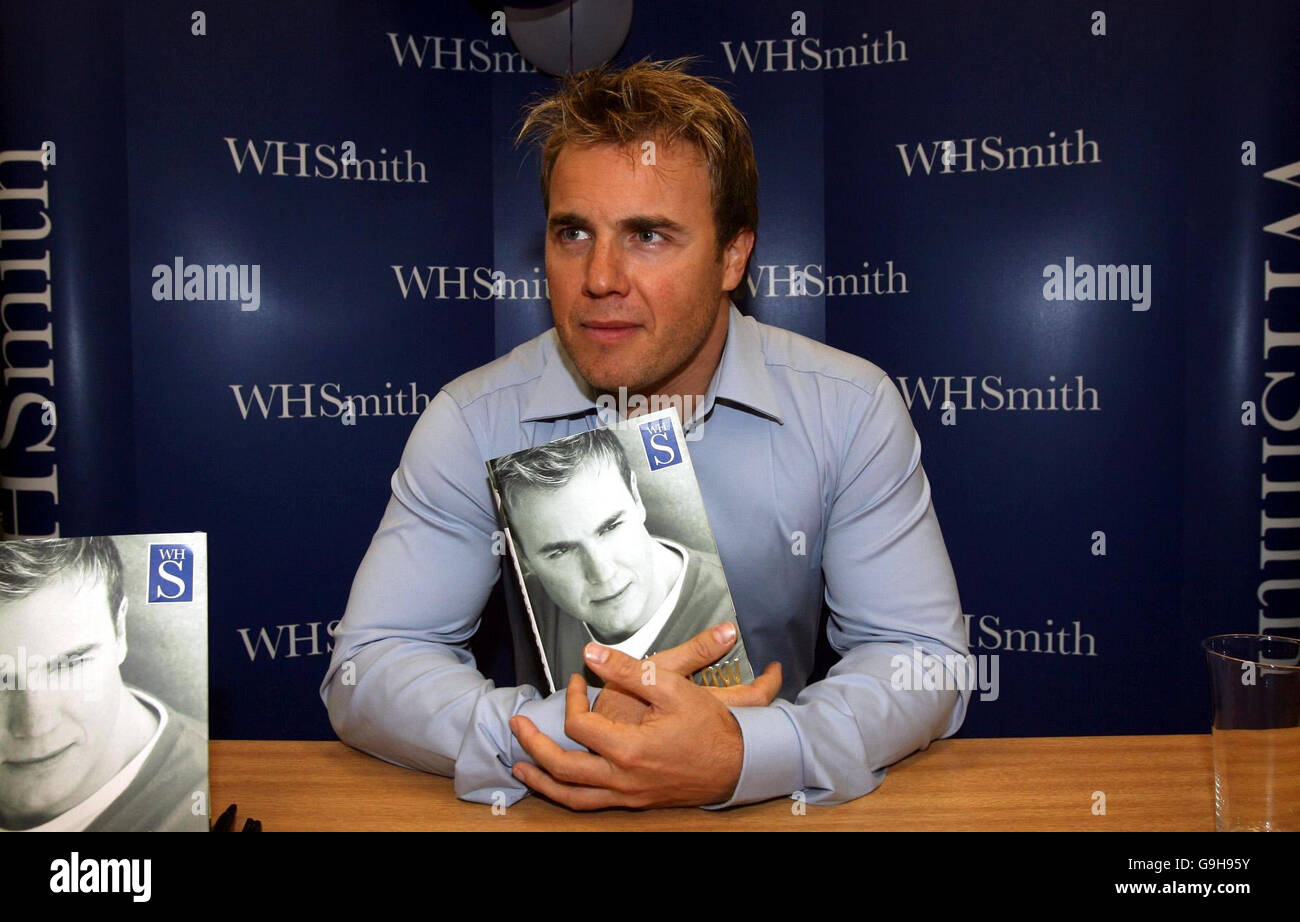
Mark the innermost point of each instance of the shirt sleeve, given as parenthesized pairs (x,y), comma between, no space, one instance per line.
(892,598)
(402,684)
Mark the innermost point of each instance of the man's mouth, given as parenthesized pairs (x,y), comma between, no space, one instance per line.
(609,331)
(37,761)
(611,598)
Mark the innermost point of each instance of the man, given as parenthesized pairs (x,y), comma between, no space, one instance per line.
(79,750)
(594,572)
(809,468)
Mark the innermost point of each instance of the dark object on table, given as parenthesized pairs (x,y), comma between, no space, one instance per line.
(226,822)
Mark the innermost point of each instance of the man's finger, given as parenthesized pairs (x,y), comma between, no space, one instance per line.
(570,767)
(588,728)
(619,705)
(704,649)
(574,796)
(659,687)
(759,693)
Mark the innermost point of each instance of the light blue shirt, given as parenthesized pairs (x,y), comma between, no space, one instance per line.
(811,474)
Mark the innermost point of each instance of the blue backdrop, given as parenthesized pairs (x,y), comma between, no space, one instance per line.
(944,190)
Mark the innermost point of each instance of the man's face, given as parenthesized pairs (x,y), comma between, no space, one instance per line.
(588,544)
(55,742)
(636,283)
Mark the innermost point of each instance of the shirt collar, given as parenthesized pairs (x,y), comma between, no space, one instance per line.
(560,391)
(741,378)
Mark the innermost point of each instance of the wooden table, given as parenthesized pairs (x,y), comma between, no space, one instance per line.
(1159,783)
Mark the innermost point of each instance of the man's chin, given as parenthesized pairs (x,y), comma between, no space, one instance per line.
(24,812)
(609,640)
(605,370)
(613,634)
(606,380)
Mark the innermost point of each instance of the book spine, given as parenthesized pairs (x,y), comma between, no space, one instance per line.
(519,577)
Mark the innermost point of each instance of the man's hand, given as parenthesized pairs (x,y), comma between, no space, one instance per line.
(687,749)
(704,649)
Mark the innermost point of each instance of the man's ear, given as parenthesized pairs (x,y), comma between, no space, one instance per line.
(119,628)
(735,257)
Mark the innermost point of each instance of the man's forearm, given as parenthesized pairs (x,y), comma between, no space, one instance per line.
(835,741)
(425,706)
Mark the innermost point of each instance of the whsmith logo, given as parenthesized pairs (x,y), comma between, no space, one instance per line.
(474,55)
(993,396)
(192,282)
(468,283)
(1278,403)
(959,156)
(29,470)
(1071,641)
(787,54)
(660,444)
(171,573)
(290,641)
(811,280)
(325,401)
(326,161)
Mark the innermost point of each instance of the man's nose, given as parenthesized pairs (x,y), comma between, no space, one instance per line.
(606,271)
(29,714)
(597,566)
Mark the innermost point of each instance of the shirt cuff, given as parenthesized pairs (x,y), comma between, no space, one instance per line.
(548,715)
(773,762)
(490,751)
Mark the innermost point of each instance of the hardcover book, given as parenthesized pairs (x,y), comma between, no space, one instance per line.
(104,684)
(609,541)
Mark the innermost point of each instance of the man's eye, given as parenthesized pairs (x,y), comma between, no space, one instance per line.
(54,665)
(570,234)
(556,554)
(610,527)
(649,236)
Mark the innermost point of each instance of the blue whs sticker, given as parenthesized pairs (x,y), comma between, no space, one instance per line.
(660,444)
(171,573)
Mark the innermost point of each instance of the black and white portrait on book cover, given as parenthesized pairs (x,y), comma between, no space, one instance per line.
(609,538)
(104,684)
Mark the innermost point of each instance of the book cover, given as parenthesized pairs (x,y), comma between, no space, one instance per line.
(104,684)
(609,541)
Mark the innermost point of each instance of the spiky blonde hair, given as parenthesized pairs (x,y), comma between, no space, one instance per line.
(659,101)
